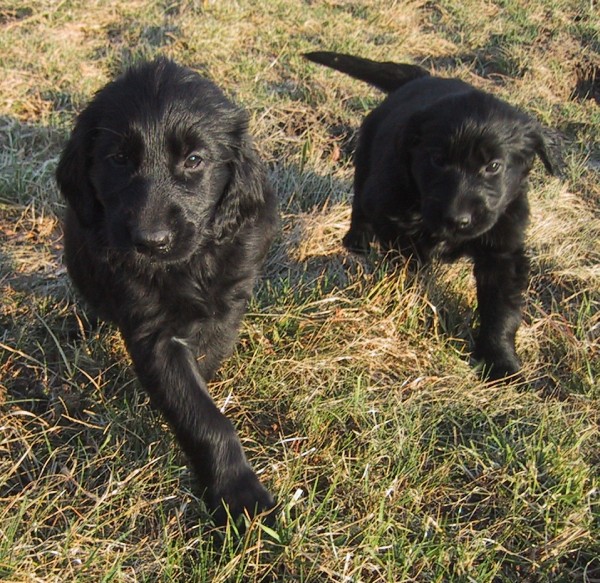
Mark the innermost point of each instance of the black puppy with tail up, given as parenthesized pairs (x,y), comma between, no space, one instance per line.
(441,170)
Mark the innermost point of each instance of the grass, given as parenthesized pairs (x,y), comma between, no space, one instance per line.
(351,386)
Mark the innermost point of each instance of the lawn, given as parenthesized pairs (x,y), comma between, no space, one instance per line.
(351,386)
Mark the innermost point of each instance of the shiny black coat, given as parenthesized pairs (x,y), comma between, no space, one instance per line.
(441,169)
(169,219)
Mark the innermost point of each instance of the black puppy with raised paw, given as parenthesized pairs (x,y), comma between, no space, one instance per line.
(441,170)
(169,218)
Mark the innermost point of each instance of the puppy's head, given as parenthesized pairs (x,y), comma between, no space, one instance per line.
(160,163)
(469,157)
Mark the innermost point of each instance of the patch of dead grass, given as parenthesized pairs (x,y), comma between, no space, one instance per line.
(351,385)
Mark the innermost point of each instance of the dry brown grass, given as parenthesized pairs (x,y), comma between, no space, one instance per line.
(351,386)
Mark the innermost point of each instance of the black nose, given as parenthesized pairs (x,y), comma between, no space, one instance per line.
(459,221)
(151,240)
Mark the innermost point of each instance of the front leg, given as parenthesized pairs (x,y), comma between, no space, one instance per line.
(168,371)
(501,281)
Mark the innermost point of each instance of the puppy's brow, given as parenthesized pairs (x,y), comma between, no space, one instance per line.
(110,130)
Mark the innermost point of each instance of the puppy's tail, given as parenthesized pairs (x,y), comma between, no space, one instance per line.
(386,76)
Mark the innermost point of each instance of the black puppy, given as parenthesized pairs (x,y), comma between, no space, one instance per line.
(441,169)
(169,219)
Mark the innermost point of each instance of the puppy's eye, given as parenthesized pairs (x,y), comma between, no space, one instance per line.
(493,168)
(192,162)
(437,159)
(119,159)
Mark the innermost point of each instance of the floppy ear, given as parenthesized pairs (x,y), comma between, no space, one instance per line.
(549,147)
(72,173)
(410,134)
(246,192)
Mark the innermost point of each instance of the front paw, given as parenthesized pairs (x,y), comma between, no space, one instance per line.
(498,363)
(356,240)
(240,496)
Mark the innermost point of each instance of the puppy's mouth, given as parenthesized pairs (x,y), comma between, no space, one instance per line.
(463,233)
(166,255)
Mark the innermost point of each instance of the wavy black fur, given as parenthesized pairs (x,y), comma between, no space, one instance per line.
(169,219)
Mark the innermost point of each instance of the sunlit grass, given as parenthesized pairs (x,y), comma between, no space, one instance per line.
(351,386)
